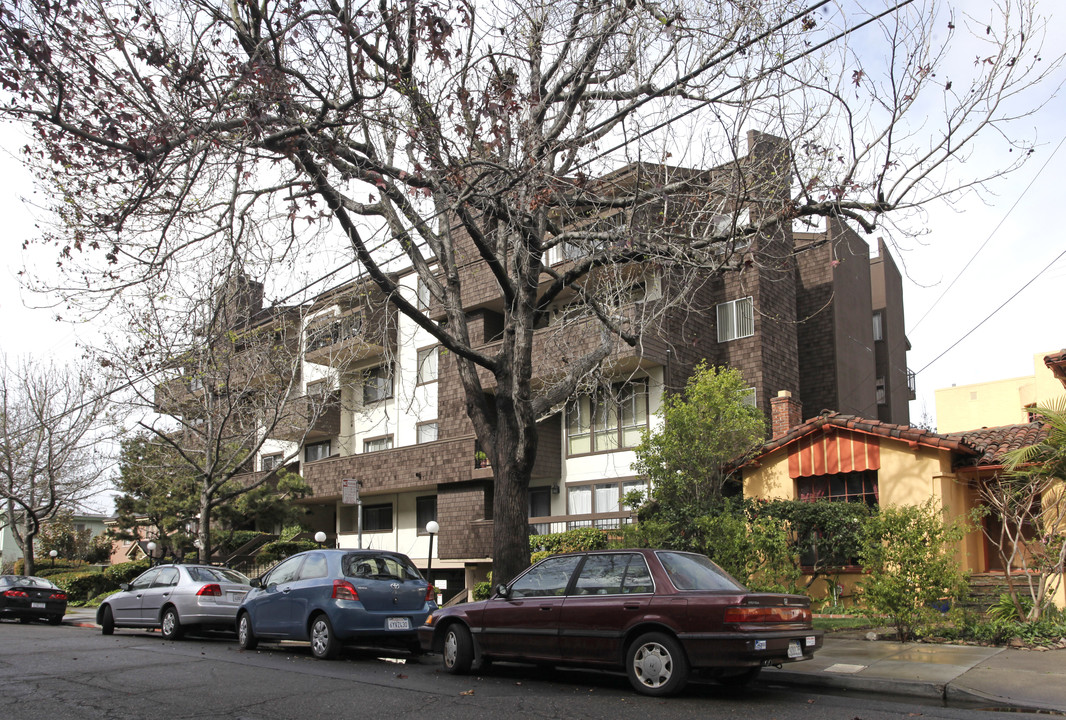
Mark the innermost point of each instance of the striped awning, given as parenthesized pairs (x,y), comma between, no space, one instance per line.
(834,451)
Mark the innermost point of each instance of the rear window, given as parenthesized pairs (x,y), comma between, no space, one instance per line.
(216,574)
(689,571)
(379,567)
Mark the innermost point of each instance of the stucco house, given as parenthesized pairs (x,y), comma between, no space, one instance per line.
(846,458)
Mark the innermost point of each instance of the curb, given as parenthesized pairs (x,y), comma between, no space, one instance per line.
(911,688)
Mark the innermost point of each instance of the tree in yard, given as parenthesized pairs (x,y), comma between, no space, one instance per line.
(1029,501)
(49,418)
(478,143)
(909,555)
(225,383)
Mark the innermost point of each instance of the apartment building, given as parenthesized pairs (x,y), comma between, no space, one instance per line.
(398,434)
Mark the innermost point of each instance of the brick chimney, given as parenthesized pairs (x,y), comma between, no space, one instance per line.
(785,413)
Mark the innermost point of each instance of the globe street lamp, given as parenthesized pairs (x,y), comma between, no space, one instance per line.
(151,553)
(52,554)
(432,528)
(320,538)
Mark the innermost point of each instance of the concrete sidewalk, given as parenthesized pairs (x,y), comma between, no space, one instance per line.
(991,676)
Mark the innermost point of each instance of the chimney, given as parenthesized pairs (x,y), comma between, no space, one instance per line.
(785,413)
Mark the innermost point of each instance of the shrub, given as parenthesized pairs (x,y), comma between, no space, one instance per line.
(80,586)
(281,549)
(909,555)
(124,572)
(575,540)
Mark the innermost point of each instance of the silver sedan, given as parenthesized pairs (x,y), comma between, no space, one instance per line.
(176,598)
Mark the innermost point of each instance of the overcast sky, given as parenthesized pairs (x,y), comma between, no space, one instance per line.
(1010,239)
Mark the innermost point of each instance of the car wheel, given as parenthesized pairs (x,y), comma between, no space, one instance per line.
(107,621)
(739,679)
(171,625)
(458,649)
(656,665)
(324,645)
(245,636)
(55,619)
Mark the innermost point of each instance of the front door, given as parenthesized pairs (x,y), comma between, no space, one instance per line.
(126,606)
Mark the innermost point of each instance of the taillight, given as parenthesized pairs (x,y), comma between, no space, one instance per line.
(344,590)
(57,596)
(211,589)
(431,593)
(760,614)
(15,593)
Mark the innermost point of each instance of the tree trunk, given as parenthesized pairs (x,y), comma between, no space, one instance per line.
(203,533)
(30,565)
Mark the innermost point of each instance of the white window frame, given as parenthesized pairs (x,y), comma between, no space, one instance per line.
(377,444)
(736,319)
(428,364)
(878,323)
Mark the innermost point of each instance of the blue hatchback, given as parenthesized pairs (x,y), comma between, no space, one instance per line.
(338,597)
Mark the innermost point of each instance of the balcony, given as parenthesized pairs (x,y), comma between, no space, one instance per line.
(912,385)
(309,418)
(344,340)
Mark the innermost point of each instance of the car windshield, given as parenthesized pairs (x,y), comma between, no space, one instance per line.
(216,574)
(689,571)
(379,566)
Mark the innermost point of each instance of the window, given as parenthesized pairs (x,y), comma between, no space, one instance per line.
(427,432)
(422,295)
(427,365)
(611,419)
(1031,415)
(316,451)
(269,462)
(599,499)
(748,397)
(840,487)
(880,390)
(284,572)
(879,333)
(425,511)
(613,574)
(317,389)
(377,384)
(736,319)
(547,579)
(377,444)
(167,577)
(315,566)
(377,518)
(540,505)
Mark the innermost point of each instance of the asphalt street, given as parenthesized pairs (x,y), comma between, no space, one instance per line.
(75,672)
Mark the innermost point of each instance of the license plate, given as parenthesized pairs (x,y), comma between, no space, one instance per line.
(236,597)
(399,624)
(794,649)
(38,606)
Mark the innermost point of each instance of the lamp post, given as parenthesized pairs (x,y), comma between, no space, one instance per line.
(151,553)
(52,554)
(432,528)
(320,538)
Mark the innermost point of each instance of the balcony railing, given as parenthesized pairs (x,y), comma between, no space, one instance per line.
(912,385)
(325,334)
(605,521)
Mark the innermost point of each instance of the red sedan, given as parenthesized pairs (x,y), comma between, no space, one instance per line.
(659,614)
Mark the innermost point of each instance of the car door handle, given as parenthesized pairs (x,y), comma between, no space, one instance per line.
(631,607)
(546,608)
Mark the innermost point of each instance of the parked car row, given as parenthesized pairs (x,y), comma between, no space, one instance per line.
(659,615)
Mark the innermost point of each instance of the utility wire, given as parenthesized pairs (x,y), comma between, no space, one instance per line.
(991,234)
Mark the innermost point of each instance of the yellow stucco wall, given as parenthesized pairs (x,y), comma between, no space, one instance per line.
(995,403)
(907,476)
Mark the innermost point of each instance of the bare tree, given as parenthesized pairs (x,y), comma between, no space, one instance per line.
(215,378)
(477,143)
(1028,502)
(48,445)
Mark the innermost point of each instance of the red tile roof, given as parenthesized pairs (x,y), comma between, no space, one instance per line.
(1056,362)
(980,448)
(995,442)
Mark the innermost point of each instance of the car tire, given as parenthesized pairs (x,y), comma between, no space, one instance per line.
(324,644)
(656,665)
(740,679)
(170,626)
(245,635)
(458,651)
(55,620)
(107,621)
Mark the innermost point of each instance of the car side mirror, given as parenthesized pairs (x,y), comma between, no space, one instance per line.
(502,591)
(256,582)
(124,586)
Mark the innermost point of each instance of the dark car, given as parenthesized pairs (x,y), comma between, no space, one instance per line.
(176,599)
(338,597)
(31,598)
(659,614)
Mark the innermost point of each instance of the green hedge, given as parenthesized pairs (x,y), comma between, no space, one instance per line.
(281,549)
